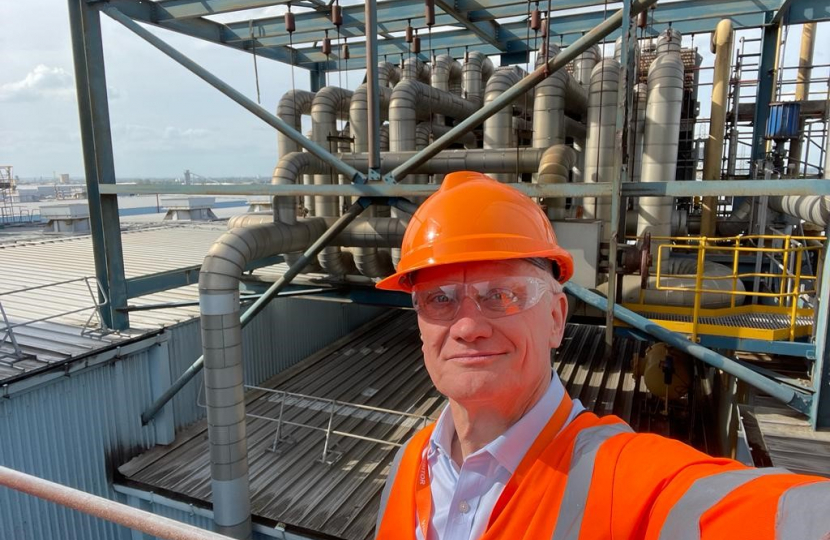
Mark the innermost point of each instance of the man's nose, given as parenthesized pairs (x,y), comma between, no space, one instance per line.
(470,324)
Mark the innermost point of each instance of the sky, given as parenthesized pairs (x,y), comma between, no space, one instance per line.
(164,119)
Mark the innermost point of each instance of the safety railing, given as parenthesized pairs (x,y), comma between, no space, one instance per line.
(332,408)
(7,328)
(786,284)
(153,525)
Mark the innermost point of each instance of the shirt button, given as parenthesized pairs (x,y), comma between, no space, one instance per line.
(463,507)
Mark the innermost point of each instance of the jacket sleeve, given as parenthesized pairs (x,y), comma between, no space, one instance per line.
(662,489)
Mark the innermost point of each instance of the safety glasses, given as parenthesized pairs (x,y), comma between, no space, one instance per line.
(494,298)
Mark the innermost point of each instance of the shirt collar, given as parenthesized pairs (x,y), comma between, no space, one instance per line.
(510,447)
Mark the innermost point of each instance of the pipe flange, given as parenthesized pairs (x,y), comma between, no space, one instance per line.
(645,260)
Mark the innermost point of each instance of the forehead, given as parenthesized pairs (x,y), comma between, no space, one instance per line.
(476,271)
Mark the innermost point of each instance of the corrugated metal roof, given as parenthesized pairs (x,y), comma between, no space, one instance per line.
(379,366)
(45,279)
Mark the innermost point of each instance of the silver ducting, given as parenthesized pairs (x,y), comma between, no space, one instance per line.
(600,143)
(388,74)
(369,261)
(330,104)
(813,209)
(554,168)
(498,129)
(222,347)
(414,69)
(584,65)
(684,272)
(364,233)
(411,101)
(446,75)
(662,133)
(292,106)
(476,71)
(639,126)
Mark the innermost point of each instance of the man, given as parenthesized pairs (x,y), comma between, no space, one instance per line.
(512,456)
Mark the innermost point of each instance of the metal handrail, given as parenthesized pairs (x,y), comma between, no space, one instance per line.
(115,512)
(334,406)
(791,280)
(96,303)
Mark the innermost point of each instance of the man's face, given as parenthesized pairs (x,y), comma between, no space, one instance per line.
(474,359)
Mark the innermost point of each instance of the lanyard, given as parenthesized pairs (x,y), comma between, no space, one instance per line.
(423,493)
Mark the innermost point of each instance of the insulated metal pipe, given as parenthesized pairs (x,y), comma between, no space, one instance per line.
(476,71)
(291,108)
(414,69)
(662,133)
(222,347)
(235,95)
(526,84)
(721,45)
(600,142)
(149,523)
(498,129)
(788,396)
(584,65)
(640,104)
(446,75)
(802,91)
(330,104)
(554,168)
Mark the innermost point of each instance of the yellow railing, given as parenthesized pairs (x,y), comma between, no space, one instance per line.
(786,252)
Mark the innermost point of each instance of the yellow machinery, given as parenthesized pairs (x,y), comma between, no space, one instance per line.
(783,315)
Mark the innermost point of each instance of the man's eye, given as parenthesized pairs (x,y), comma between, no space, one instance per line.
(500,297)
(438,299)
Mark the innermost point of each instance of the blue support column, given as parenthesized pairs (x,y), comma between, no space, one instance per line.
(766,82)
(820,413)
(93,109)
(318,79)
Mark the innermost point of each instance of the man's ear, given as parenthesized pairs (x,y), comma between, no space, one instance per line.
(559,311)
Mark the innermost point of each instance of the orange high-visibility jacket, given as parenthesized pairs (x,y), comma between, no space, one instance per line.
(599,480)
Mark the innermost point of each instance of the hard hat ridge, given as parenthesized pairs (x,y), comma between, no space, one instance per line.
(472,217)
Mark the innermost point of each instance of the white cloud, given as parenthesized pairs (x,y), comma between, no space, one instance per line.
(45,82)
(42,82)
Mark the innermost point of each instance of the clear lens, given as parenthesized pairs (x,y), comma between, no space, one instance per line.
(493,298)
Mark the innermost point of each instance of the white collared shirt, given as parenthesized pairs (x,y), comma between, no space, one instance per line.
(463,499)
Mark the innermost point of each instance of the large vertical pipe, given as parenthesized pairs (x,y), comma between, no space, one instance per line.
(721,45)
(584,65)
(600,141)
(476,71)
(802,91)
(640,103)
(330,104)
(371,12)
(662,133)
(446,73)
(498,129)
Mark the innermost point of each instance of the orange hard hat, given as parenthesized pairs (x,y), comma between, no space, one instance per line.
(475,218)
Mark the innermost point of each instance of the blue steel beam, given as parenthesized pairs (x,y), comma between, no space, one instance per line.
(148,13)
(487,31)
(766,85)
(802,11)
(570,27)
(393,17)
(380,189)
(88,148)
(95,124)
(188,9)
(280,125)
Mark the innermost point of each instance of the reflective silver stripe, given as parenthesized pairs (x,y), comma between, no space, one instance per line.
(390,481)
(572,509)
(804,513)
(683,521)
